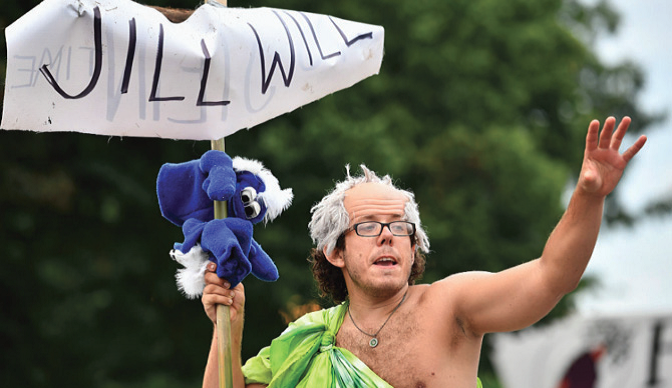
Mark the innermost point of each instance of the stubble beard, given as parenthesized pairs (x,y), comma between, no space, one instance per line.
(378,288)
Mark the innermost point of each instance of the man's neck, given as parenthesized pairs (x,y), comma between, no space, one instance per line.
(367,306)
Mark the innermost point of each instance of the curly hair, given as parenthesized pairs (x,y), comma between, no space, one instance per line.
(330,220)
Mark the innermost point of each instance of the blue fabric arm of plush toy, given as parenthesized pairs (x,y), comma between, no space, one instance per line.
(230,244)
(220,184)
(229,241)
(192,229)
(263,267)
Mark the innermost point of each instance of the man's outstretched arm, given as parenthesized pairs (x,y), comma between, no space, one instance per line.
(520,296)
(571,244)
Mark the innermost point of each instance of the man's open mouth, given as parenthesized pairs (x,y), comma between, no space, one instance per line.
(385,262)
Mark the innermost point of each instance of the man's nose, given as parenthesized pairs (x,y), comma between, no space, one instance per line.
(385,235)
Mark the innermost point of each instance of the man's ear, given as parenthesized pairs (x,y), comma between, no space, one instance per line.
(335,258)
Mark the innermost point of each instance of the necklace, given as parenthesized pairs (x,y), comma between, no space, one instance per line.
(374,337)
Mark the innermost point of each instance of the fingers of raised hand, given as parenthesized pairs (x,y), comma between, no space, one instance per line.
(620,133)
(607,131)
(591,138)
(608,138)
(634,149)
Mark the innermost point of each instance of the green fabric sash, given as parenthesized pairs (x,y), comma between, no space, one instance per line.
(304,356)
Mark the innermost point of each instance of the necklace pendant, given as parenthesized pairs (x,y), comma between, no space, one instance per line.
(374,342)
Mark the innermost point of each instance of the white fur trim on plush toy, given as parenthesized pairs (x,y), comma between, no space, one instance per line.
(190,278)
(276,199)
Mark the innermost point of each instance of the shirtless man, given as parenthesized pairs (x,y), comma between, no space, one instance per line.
(430,335)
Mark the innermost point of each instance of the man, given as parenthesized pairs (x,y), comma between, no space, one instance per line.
(389,332)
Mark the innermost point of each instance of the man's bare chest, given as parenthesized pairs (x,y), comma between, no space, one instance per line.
(401,356)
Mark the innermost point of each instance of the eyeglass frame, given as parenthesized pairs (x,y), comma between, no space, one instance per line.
(382,226)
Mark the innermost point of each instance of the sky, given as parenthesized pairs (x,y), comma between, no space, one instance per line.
(634,265)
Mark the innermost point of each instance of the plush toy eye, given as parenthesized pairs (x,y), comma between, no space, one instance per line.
(248,195)
(252,210)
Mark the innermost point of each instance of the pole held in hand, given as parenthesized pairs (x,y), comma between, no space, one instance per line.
(223,312)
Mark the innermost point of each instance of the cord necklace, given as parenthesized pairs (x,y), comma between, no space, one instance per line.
(374,337)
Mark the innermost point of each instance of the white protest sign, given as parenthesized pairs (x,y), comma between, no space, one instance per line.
(628,351)
(115,67)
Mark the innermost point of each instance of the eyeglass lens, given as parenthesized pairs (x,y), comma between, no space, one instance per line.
(375,228)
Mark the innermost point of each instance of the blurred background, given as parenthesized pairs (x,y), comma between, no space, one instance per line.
(631,262)
(480,108)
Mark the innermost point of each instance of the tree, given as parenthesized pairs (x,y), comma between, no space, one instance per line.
(480,107)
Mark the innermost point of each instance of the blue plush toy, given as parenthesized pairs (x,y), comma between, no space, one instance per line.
(186,192)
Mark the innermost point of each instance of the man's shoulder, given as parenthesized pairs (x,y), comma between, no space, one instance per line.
(459,279)
(318,316)
(449,287)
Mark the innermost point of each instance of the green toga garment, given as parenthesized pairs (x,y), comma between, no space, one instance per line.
(304,356)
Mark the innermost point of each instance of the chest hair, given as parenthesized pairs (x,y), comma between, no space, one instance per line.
(392,359)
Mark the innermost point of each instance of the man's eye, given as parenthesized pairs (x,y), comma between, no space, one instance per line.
(367,227)
(399,228)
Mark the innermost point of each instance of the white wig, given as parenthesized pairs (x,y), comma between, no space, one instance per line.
(330,218)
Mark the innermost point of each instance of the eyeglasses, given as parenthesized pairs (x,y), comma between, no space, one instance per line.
(375,228)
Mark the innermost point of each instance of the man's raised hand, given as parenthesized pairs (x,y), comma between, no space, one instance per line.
(603,165)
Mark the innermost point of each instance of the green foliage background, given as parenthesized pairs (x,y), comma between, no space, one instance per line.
(480,107)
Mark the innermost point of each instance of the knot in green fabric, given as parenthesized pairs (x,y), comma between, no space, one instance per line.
(327,341)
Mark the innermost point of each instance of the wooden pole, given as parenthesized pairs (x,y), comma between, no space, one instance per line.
(223,312)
